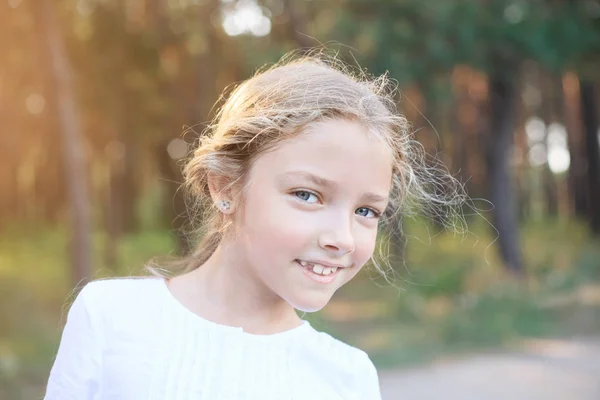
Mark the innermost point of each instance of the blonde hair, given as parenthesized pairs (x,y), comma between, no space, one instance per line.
(277,104)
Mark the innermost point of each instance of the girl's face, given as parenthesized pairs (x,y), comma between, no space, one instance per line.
(311,204)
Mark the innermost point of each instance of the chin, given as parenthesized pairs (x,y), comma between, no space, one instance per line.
(310,305)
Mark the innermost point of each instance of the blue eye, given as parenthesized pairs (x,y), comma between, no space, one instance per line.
(306,196)
(364,212)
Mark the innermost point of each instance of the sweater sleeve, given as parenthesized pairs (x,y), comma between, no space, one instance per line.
(75,374)
(371,389)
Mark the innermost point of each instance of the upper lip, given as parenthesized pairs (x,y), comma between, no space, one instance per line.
(323,263)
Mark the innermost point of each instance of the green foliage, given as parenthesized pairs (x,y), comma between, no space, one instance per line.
(417,40)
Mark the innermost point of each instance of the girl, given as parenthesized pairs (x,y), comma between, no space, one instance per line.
(304,163)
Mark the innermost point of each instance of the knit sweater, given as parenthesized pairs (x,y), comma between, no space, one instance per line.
(130,339)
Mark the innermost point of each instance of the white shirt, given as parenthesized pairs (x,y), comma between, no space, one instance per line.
(130,339)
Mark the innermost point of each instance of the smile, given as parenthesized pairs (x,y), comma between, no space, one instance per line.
(319,273)
(318,268)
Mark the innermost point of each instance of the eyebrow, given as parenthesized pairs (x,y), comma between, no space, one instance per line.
(375,198)
(324,182)
(317,180)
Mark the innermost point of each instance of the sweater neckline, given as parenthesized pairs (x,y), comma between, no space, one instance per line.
(221,328)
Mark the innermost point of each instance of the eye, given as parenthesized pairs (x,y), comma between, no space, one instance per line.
(306,196)
(367,212)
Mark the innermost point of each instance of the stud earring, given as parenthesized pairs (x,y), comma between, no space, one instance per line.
(224,205)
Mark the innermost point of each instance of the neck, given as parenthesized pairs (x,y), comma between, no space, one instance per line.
(229,293)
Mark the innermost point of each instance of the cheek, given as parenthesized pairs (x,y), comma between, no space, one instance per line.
(365,245)
(272,227)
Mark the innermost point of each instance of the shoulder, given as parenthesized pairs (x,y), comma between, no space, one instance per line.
(353,365)
(121,299)
(121,287)
(349,369)
(119,291)
(341,351)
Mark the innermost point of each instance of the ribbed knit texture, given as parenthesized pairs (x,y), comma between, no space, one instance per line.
(130,339)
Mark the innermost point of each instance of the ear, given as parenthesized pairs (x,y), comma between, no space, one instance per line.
(221,193)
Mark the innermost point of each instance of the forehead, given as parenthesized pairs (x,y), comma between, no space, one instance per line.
(340,150)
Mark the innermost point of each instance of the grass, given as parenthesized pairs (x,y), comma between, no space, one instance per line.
(450,296)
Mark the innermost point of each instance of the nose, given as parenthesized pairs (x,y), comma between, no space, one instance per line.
(338,238)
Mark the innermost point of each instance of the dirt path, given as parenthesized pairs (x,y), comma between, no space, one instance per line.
(541,369)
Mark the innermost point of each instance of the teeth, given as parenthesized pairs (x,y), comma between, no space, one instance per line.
(318,268)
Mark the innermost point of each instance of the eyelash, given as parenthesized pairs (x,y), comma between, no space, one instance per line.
(376,214)
(304,191)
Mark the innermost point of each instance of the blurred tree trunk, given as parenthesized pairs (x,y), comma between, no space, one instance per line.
(192,91)
(459,144)
(502,99)
(433,120)
(563,203)
(72,138)
(113,203)
(111,222)
(129,179)
(170,174)
(465,119)
(589,113)
(577,170)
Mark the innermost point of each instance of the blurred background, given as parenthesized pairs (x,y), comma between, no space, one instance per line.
(100,101)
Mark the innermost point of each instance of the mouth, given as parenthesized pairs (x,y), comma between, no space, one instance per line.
(318,272)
